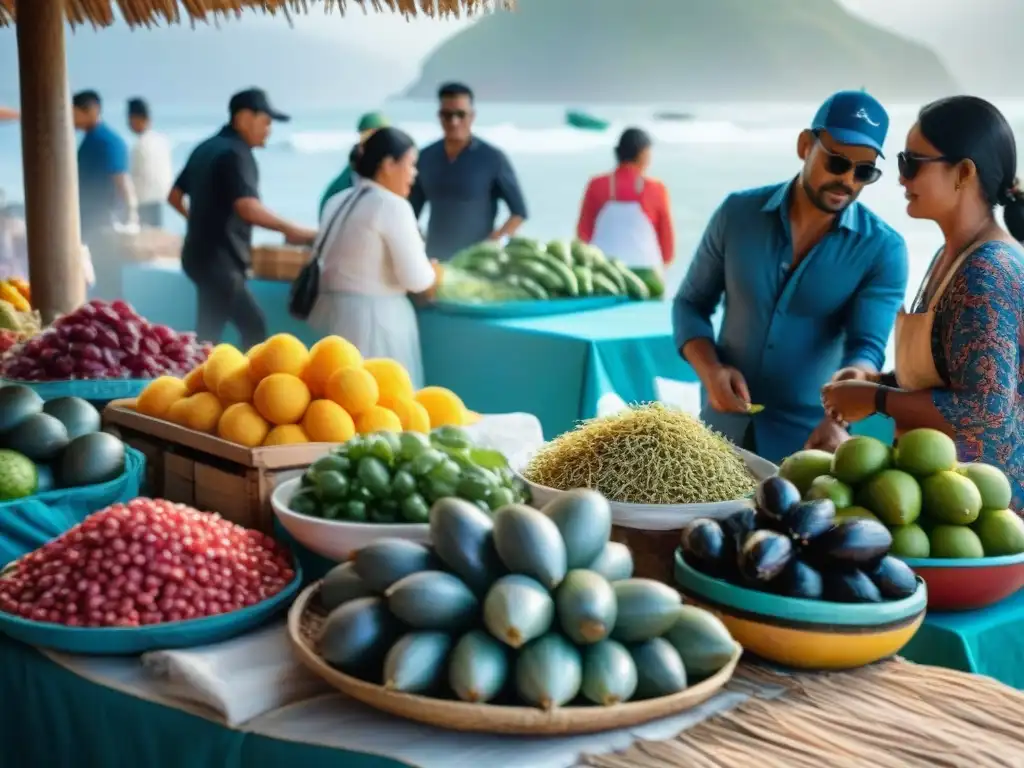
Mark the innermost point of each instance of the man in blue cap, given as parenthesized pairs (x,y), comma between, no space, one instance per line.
(811,279)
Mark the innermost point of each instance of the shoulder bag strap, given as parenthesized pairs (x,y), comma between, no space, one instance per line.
(334,225)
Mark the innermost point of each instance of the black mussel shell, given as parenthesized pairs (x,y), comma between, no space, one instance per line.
(801,580)
(776,497)
(810,519)
(704,546)
(764,556)
(850,586)
(895,579)
(737,527)
(854,542)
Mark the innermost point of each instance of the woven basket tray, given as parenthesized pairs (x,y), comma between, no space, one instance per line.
(278,262)
(306,618)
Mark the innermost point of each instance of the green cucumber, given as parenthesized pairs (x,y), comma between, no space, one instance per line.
(596,256)
(608,270)
(605,287)
(524,242)
(580,253)
(653,280)
(558,250)
(585,280)
(635,287)
(465,258)
(486,267)
(533,288)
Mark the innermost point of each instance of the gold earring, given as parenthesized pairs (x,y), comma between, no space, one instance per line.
(958,186)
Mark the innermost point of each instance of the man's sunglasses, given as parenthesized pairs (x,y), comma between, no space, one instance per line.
(450,115)
(911,165)
(839,165)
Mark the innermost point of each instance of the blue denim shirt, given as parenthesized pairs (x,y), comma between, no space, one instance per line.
(789,331)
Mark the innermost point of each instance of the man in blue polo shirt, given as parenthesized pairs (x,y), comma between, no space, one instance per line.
(811,280)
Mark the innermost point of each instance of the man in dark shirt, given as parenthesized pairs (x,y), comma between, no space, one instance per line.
(463,178)
(221,182)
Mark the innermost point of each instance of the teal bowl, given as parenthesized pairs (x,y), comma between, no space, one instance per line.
(129,641)
(807,634)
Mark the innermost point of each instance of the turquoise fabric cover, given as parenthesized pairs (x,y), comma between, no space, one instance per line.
(97,392)
(26,524)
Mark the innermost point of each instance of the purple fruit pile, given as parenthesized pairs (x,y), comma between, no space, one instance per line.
(104,340)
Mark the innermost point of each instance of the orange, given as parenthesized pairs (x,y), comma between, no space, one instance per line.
(281,398)
(377,419)
(241,423)
(414,417)
(354,389)
(237,386)
(194,381)
(327,422)
(159,395)
(444,407)
(326,357)
(202,412)
(286,434)
(392,379)
(282,353)
(220,363)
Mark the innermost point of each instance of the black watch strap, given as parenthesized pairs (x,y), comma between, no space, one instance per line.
(881,400)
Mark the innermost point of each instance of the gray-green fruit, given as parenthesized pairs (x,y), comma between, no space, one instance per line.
(855,512)
(702,641)
(991,483)
(586,606)
(462,535)
(584,518)
(1001,532)
(417,662)
(386,561)
(859,458)
(433,600)
(518,609)
(41,437)
(828,487)
(909,541)
(615,562)
(646,609)
(803,466)
(529,543)
(923,452)
(478,667)
(549,672)
(659,669)
(609,673)
(949,497)
(340,585)
(893,495)
(956,542)
(356,636)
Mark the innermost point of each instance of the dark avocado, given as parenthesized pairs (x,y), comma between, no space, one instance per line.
(853,542)
(811,519)
(776,497)
(17,403)
(801,580)
(850,586)
(894,578)
(41,437)
(764,556)
(76,414)
(704,546)
(90,460)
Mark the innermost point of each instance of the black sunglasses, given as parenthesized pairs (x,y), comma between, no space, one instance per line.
(910,165)
(449,115)
(840,165)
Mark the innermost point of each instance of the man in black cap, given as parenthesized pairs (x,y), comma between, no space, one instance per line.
(221,182)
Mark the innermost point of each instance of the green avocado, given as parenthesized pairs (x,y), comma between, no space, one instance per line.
(91,459)
(41,437)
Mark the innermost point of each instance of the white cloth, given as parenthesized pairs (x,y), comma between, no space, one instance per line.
(622,229)
(377,250)
(152,173)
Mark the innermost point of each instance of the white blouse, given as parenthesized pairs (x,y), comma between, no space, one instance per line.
(377,250)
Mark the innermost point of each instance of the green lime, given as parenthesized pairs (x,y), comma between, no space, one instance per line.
(475,488)
(500,497)
(331,463)
(355,511)
(415,509)
(373,474)
(426,462)
(402,484)
(304,503)
(334,511)
(411,445)
(356,448)
(454,437)
(331,486)
(379,447)
(448,471)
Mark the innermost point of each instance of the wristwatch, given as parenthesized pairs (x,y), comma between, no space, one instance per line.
(881,398)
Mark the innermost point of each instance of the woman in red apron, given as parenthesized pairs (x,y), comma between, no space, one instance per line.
(960,349)
(626,214)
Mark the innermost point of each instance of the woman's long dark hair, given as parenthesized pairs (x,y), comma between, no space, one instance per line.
(969,128)
(384,143)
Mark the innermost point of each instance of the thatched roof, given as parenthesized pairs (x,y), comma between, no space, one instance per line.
(149,12)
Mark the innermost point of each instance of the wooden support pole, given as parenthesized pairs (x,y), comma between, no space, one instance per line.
(48,158)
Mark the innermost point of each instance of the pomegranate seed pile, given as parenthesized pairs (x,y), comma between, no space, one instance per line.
(146,562)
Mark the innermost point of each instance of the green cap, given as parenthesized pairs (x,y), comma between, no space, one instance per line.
(371,121)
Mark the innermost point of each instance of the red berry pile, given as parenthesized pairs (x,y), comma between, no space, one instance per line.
(102,340)
(8,340)
(146,562)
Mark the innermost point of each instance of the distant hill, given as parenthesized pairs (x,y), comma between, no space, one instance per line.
(588,51)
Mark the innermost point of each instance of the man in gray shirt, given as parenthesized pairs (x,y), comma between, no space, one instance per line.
(463,178)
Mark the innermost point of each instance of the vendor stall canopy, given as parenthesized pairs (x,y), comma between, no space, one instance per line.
(103,13)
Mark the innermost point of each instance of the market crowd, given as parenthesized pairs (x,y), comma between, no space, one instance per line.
(811,280)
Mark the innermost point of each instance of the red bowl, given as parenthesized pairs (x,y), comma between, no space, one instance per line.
(968,584)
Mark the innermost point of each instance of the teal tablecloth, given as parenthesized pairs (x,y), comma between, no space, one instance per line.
(987,642)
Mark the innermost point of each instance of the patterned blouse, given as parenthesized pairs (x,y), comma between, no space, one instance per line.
(978,346)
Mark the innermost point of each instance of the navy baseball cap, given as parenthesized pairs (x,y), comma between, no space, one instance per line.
(255,99)
(855,118)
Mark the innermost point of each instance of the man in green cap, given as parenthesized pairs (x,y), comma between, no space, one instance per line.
(368,125)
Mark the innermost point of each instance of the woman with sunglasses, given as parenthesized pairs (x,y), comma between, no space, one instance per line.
(960,350)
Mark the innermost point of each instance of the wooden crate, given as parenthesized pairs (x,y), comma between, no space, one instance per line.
(206,472)
(278,262)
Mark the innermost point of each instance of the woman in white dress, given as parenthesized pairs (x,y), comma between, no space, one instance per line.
(373,257)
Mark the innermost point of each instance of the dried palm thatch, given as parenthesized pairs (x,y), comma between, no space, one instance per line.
(102,13)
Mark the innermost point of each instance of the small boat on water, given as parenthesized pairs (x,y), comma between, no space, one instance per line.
(674,116)
(584,121)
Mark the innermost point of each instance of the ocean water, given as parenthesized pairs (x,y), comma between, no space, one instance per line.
(725,148)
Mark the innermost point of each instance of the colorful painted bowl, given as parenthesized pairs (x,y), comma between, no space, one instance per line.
(807,634)
(965,585)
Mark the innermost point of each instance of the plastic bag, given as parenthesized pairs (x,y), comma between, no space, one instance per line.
(458,285)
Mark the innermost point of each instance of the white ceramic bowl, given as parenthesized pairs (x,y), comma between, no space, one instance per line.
(655,517)
(336,539)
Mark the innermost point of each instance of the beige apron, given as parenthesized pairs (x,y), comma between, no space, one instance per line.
(915,365)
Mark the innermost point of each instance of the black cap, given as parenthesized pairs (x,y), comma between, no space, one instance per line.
(138,108)
(256,100)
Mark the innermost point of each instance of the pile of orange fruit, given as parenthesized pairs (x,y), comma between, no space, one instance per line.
(281,393)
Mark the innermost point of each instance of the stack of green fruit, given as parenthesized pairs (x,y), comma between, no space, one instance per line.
(388,477)
(529,269)
(56,444)
(934,506)
(532,607)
